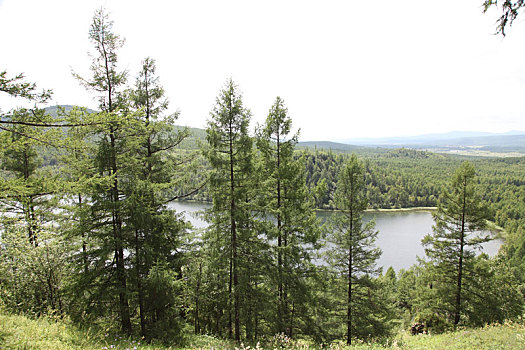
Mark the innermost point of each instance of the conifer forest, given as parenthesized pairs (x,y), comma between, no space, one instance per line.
(88,234)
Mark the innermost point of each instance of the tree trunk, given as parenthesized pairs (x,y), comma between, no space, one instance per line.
(84,244)
(139,287)
(230,297)
(457,313)
(280,303)
(197,292)
(233,225)
(117,234)
(350,257)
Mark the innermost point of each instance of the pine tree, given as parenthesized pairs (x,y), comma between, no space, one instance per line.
(451,247)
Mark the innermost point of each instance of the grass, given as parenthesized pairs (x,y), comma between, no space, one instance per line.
(507,336)
(20,332)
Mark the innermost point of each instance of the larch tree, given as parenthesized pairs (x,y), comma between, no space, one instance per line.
(19,88)
(230,154)
(157,230)
(34,256)
(114,136)
(287,203)
(23,132)
(26,188)
(354,255)
(451,248)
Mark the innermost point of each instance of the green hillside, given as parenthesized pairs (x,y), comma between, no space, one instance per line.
(54,110)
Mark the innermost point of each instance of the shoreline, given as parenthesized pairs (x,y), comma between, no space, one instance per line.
(378,210)
(401,210)
(392,210)
(498,232)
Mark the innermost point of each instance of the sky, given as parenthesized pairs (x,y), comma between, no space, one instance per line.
(345,69)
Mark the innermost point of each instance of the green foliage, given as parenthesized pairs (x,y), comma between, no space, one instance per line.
(17,87)
(87,232)
(164,290)
(106,79)
(354,256)
(396,179)
(32,278)
(116,143)
(19,332)
(28,188)
(132,172)
(231,233)
(451,248)
(291,224)
(507,336)
(510,11)
(156,230)
(496,295)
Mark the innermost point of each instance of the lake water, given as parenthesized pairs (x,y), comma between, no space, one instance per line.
(400,233)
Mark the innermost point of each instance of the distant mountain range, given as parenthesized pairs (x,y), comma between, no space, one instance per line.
(457,142)
(511,143)
(453,137)
(53,110)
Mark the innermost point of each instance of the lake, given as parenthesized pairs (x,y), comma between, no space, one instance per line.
(400,233)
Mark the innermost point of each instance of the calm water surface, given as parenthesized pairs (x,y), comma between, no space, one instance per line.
(400,233)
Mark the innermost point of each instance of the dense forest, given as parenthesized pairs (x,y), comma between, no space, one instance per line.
(87,234)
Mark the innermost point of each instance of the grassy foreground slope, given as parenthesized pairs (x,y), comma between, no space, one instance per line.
(507,336)
(19,332)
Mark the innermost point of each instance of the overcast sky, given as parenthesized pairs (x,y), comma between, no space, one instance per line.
(345,69)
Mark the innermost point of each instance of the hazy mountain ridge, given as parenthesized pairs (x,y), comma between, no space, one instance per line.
(458,142)
(450,138)
(482,143)
(53,110)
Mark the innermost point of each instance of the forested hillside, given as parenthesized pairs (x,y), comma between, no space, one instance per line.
(87,233)
(407,178)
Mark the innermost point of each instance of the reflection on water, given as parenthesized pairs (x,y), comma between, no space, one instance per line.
(192,211)
(400,233)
